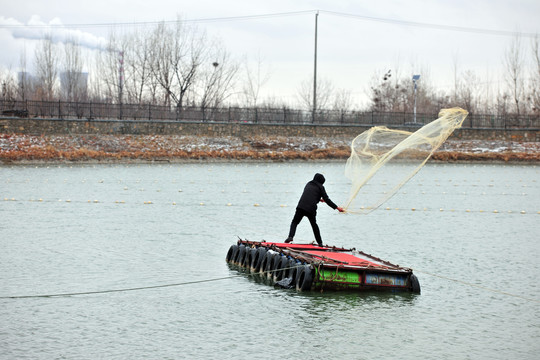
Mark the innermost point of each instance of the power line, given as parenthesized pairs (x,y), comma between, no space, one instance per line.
(432,26)
(147,23)
(284,14)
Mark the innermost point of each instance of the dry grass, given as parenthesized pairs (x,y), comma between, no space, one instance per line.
(18,147)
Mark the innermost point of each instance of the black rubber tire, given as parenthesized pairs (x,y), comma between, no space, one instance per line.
(274,262)
(282,264)
(235,254)
(291,272)
(296,272)
(415,284)
(305,278)
(231,252)
(241,255)
(264,265)
(257,260)
(247,259)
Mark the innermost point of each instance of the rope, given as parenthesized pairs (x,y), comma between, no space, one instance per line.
(478,286)
(240,275)
(119,290)
(135,288)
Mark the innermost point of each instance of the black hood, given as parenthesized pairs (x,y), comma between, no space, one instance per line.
(319,178)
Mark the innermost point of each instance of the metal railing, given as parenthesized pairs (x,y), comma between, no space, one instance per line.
(263,115)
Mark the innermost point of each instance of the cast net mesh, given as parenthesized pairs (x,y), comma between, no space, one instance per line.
(382,160)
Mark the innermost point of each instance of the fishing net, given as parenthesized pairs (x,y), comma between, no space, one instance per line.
(382,160)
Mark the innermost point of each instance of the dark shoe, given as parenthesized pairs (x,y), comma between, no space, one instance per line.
(289,240)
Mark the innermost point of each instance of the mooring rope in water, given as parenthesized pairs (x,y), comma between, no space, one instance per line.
(477,286)
(136,288)
(118,290)
(241,275)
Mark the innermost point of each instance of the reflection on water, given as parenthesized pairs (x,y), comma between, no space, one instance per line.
(84,228)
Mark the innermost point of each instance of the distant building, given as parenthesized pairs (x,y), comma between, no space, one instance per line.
(26,83)
(74,85)
(26,80)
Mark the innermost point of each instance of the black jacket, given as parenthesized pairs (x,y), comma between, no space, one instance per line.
(313,192)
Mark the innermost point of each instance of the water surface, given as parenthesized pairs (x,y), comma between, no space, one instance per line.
(472,240)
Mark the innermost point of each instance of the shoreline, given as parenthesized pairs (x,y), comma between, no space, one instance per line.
(110,160)
(231,161)
(125,149)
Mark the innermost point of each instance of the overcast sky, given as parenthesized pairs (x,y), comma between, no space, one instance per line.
(357,39)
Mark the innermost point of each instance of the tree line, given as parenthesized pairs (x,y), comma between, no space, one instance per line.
(178,66)
(517,93)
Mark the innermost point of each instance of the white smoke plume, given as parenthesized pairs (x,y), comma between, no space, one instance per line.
(36,29)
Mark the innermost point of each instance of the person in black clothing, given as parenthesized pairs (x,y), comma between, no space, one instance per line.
(307,206)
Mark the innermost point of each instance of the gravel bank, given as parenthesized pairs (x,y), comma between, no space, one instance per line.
(53,148)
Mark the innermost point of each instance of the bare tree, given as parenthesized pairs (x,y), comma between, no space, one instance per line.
(25,81)
(325,92)
(138,72)
(176,55)
(384,91)
(513,62)
(467,91)
(455,63)
(535,81)
(254,79)
(46,65)
(109,69)
(72,79)
(160,66)
(394,93)
(217,78)
(486,98)
(342,100)
(390,92)
(8,86)
(96,87)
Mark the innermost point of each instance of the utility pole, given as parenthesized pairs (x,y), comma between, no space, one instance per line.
(315,70)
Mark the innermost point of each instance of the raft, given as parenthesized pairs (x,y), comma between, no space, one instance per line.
(307,267)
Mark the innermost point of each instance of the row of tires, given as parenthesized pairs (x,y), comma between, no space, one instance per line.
(271,264)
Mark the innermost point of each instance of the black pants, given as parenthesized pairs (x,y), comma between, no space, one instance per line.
(312,220)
